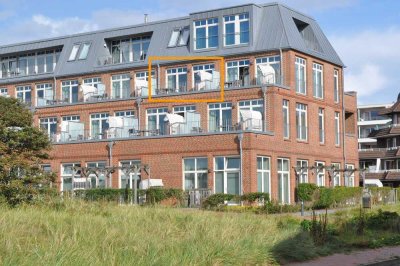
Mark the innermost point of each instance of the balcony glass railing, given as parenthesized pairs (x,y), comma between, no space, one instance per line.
(185,128)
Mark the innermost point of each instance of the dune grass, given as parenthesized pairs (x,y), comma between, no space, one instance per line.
(80,233)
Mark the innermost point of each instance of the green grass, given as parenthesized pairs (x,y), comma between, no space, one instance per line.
(79,233)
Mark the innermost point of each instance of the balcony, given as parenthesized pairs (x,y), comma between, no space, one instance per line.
(75,131)
(375,153)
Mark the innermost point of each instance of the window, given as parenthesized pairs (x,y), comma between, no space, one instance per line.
(3,92)
(227,175)
(155,120)
(320,173)
(68,174)
(220,117)
(251,123)
(177,79)
(238,73)
(182,110)
(300,75)
(174,38)
(130,50)
(205,84)
(336,85)
(44,94)
(120,86)
(283,181)
(318,80)
(206,33)
(336,174)
(128,181)
(49,125)
(75,118)
(84,51)
(129,113)
(24,94)
(302,171)
(195,173)
(29,64)
(263,174)
(184,37)
(321,125)
(301,121)
(236,29)
(98,125)
(69,91)
(337,128)
(349,175)
(145,76)
(74,52)
(268,70)
(285,119)
(100,181)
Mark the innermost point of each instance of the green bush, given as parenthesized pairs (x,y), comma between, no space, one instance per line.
(255,196)
(273,207)
(305,191)
(216,200)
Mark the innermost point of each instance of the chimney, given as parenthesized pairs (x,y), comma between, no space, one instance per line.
(146,18)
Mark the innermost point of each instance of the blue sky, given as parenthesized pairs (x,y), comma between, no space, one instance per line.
(365,33)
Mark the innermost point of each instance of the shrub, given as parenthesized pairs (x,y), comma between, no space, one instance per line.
(216,200)
(272,207)
(305,191)
(255,196)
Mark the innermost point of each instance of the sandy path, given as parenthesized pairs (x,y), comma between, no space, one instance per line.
(355,258)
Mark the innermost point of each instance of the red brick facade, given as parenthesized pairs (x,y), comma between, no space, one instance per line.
(164,154)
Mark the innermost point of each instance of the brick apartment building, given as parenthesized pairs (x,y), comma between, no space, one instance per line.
(284,105)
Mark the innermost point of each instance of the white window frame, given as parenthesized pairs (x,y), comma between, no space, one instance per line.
(321,125)
(144,75)
(301,109)
(97,164)
(321,176)
(336,86)
(349,180)
(301,82)
(131,175)
(236,65)
(336,176)
(196,172)
(183,109)
(205,23)
(176,72)
(69,84)
(120,78)
(125,113)
(337,128)
(3,92)
(220,107)
(46,87)
(94,82)
(74,118)
(265,173)
(303,174)
(128,43)
(84,51)
(48,121)
(74,52)
(283,172)
(67,175)
(236,19)
(24,90)
(158,112)
(269,61)
(318,89)
(252,105)
(286,124)
(225,172)
(102,118)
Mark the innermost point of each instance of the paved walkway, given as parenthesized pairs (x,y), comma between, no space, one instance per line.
(363,257)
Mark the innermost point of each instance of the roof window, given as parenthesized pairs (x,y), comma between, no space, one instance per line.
(84,51)
(308,35)
(179,37)
(74,52)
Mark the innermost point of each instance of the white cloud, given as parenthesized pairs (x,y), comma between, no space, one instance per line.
(63,26)
(371,57)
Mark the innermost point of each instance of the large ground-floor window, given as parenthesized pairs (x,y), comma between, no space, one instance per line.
(263,174)
(349,176)
(283,181)
(126,179)
(68,174)
(195,172)
(320,173)
(227,175)
(97,181)
(336,174)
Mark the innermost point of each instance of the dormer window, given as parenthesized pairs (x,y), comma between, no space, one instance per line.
(236,29)
(206,33)
(130,50)
(179,37)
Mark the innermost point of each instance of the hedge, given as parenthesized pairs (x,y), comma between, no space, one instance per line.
(219,199)
(305,191)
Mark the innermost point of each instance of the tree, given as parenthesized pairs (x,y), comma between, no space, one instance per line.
(23,147)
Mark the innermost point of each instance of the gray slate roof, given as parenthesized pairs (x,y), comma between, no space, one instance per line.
(272,28)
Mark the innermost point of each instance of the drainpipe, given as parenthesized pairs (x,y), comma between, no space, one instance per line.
(281,68)
(240,138)
(343,121)
(138,102)
(55,88)
(264,91)
(158,77)
(110,156)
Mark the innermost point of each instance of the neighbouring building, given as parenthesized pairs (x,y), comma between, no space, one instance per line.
(368,121)
(382,161)
(284,105)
